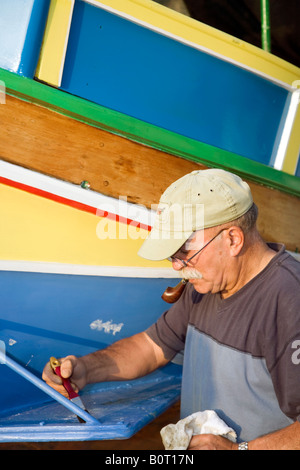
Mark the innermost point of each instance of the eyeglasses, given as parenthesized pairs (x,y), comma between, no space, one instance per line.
(185,263)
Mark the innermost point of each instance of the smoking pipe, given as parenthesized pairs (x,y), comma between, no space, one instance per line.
(172,294)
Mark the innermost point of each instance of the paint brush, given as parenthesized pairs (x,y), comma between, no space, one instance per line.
(73,396)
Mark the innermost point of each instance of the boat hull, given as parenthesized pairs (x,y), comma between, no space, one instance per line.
(51,314)
(90,139)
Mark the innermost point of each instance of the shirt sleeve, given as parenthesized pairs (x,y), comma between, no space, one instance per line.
(286,379)
(283,352)
(169,331)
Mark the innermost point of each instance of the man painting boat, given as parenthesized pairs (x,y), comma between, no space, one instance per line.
(237,320)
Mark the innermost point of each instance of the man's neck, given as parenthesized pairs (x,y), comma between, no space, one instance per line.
(254,259)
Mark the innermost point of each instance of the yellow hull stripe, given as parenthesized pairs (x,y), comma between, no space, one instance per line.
(42,230)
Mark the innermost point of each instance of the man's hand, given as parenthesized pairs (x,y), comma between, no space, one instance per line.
(126,359)
(211,442)
(72,368)
(285,439)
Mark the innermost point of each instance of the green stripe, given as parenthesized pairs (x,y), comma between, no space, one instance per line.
(147,134)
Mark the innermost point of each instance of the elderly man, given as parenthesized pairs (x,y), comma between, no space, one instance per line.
(237,321)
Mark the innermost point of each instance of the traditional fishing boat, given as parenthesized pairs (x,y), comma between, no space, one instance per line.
(103,105)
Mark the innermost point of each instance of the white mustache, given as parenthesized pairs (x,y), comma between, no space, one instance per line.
(190,273)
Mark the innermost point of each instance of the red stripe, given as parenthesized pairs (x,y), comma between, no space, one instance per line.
(71,203)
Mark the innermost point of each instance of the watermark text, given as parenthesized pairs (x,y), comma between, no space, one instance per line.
(169,221)
(296,353)
(2,92)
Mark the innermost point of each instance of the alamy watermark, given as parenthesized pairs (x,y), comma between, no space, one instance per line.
(2,92)
(171,221)
(296,353)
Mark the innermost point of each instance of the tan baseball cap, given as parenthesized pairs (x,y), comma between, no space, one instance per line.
(198,200)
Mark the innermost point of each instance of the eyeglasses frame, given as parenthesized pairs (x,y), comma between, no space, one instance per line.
(186,262)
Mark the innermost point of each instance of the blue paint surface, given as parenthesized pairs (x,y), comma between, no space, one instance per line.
(44,315)
(22,25)
(131,69)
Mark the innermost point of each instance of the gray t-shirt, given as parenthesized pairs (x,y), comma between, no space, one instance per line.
(241,354)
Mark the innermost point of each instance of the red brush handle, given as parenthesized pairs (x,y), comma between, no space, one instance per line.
(66,384)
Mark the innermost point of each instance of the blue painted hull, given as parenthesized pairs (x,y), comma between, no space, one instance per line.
(47,315)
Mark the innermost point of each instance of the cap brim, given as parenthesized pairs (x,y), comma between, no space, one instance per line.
(159,246)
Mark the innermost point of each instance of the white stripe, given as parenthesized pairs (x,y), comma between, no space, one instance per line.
(76,193)
(287,130)
(87,270)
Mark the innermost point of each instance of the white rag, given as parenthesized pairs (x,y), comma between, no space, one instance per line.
(178,436)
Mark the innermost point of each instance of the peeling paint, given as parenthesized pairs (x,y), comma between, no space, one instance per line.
(108,326)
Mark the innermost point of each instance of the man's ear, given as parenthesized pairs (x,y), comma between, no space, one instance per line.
(236,239)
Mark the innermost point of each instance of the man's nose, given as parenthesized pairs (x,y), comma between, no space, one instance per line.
(177,264)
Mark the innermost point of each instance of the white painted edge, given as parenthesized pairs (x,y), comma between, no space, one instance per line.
(88,270)
(287,130)
(76,193)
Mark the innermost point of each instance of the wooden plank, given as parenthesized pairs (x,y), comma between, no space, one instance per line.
(56,145)
(48,142)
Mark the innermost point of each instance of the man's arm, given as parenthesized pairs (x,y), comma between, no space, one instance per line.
(126,359)
(285,439)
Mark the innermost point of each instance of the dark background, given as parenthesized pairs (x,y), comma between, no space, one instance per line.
(241,18)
